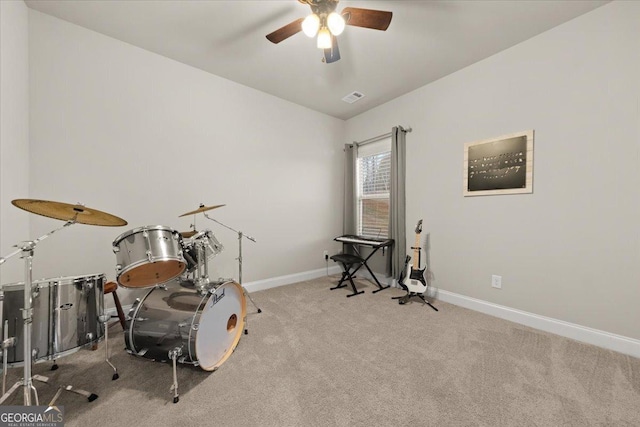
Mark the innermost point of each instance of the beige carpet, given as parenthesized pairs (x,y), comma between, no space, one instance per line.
(316,358)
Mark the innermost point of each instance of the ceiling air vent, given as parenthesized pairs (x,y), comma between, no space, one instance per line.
(353,97)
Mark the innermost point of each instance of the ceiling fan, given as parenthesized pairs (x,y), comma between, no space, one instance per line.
(326,23)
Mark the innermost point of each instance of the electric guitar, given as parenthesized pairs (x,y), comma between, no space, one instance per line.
(416,282)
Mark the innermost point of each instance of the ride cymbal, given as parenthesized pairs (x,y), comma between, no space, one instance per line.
(67,212)
(202,208)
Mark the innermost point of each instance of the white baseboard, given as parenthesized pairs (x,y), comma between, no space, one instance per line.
(584,334)
(574,331)
(260,285)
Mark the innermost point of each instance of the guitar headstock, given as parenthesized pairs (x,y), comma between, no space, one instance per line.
(419,227)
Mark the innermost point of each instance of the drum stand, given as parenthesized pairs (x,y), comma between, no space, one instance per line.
(104,318)
(201,278)
(240,236)
(173,355)
(27,249)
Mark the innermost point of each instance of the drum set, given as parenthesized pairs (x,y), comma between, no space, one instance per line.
(183,318)
(58,316)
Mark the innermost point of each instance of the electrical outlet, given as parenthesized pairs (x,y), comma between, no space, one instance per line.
(326,255)
(496,281)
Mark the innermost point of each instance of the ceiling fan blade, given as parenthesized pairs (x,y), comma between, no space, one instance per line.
(285,32)
(367,18)
(333,54)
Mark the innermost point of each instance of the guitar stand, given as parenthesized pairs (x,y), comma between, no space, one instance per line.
(405,298)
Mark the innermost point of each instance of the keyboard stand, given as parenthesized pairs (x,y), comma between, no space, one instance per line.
(374,245)
(364,262)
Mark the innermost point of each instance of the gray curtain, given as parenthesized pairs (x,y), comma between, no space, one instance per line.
(397,222)
(349,217)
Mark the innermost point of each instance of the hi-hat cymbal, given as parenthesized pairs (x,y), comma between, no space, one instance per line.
(66,212)
(202,208)
(187,234)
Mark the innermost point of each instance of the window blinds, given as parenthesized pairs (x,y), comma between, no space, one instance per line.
(374,174)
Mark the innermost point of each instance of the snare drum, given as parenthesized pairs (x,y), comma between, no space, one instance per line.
(204,326)
(148,255)
(203,242)
(66,314)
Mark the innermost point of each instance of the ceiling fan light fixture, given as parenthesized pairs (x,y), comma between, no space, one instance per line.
(324,38)
(310,25)
(336,23)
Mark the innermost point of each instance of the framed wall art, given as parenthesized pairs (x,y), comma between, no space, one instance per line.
(502,165)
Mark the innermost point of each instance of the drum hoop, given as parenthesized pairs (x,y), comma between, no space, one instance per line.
(146,262)
(48,282)
(197,314)
(236,340)
(134,317)
(143,229)
(60,354)
(200,234)
(74,279)
(208,234)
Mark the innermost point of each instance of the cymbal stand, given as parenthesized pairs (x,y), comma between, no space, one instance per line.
(27,249)
(240,236)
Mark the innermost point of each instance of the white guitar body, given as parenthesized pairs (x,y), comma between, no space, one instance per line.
(415,281)
(417,285)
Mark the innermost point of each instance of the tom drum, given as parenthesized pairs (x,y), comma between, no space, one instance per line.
(147,256)
(201,245)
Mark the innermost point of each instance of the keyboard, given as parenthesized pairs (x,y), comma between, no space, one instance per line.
(365,241)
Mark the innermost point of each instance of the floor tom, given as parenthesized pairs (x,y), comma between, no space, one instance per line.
(65,316)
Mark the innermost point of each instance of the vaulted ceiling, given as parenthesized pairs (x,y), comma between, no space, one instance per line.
(425,41)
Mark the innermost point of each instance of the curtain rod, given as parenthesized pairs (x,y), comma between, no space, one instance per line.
(379,137)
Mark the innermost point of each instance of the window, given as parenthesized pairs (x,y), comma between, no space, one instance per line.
(373,183)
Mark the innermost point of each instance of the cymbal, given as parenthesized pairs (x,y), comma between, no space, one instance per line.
(187,234)
(67,212)
(202,208)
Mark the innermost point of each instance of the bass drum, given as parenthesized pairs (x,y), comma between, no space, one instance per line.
(206,326)
(66,313)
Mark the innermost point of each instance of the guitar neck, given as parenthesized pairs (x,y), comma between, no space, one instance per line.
(416,251)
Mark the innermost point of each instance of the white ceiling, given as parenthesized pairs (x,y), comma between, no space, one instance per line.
(425,41)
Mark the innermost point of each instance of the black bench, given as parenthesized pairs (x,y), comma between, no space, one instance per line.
(348,263)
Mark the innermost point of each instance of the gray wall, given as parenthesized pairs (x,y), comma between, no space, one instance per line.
(147,138)
(134,134)
(570,250)
(14,133)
